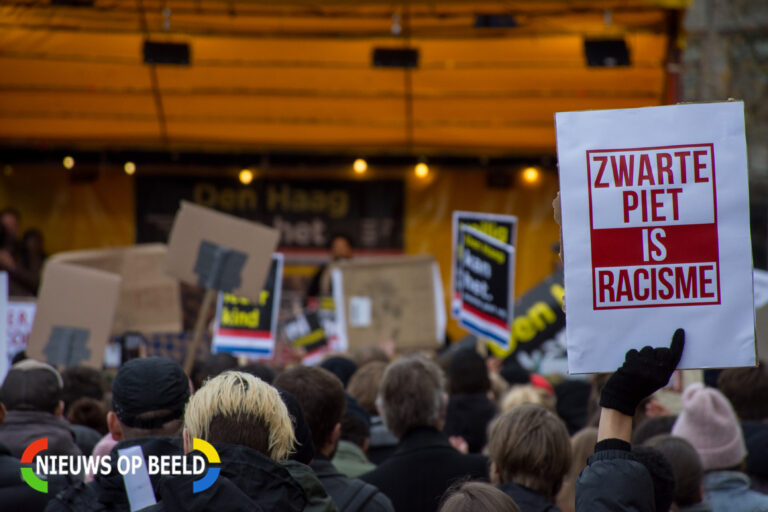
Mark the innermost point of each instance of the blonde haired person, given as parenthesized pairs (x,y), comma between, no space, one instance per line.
(582,446)
(527,394)
(248,424)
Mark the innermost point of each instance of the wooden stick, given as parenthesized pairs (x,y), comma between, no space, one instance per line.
(197,340)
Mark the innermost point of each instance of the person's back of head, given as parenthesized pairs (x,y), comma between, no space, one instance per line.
(529,446)
(261,371)
(412,395)
(214,365)
(709,423)
(238,408)
(89,412)
(746,389)
(33,386)
(148,399)
(467,373)
(477,497)
(322,397)
(303,448)
(527,394)
(652,427)
(82,382)
(364,385)
(662,475)
(368,354)
(342,367)
(686,466)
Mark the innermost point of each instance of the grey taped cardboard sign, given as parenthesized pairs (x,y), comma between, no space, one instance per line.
(219,268)
(67,346)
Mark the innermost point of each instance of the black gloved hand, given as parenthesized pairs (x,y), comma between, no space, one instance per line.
(641,375)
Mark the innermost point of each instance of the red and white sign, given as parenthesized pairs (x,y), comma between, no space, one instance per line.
(656,234)
(653,219)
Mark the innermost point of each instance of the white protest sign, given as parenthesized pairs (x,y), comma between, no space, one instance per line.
(21,315)
(656,234)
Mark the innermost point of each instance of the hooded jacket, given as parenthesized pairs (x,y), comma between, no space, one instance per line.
(21,428)
(249,481)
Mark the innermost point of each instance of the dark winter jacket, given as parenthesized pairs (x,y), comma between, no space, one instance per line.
(528,500)
(107,492)
(468,416)
(614,481)
(249,481)
(422,468)
(15,494)
(349,494)
(317,499)
(21,428)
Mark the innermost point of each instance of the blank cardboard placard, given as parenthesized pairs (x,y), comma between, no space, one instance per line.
(391,299)
(219,251)
(149,298)
(75,311)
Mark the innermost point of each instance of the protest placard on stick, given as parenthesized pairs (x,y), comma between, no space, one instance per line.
(218,252)
(656,234)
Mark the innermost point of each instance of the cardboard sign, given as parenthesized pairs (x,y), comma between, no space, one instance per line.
(246,328)
(484,282)
(501,227)
(20,314)
(149,298)
(398,299)
(656,234)
(220,252)
(75,311)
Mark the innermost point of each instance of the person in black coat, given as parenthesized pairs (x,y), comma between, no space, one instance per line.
(424,465)
(470,410)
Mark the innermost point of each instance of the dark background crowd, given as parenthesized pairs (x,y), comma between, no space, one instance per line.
(454,430)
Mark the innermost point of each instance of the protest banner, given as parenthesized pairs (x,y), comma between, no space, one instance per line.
(149,298)
(537,341)
(75,312)
(21,314)
(245,328)
(656,234)
(484,280)
(397,299)
(501,227)
(218,252)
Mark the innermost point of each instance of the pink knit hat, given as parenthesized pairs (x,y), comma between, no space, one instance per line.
(710,425)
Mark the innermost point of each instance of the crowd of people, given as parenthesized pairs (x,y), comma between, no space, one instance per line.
(453,431)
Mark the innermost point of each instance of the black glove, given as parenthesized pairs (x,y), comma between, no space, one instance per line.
(641,375)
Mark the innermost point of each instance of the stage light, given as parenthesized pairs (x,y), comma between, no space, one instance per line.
(129,168)
(531,175)
(246,176)
(68,162)
(360,166)
(421,170)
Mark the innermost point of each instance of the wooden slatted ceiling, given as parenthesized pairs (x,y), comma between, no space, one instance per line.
(76,76)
